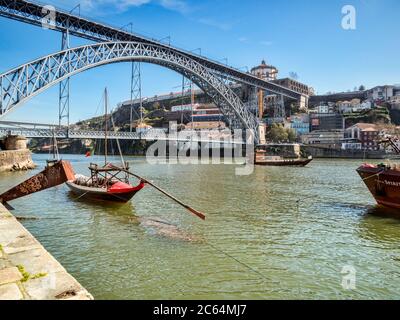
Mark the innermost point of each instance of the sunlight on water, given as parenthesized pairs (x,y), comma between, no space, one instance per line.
(281,233)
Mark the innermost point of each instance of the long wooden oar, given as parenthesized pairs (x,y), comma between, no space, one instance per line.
(187,207)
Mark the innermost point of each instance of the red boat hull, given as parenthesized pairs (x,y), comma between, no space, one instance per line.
(383,183)
(122,195)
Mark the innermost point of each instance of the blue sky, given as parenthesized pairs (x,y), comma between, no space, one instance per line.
(302,36)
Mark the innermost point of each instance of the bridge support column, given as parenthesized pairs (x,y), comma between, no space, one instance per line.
(136,90)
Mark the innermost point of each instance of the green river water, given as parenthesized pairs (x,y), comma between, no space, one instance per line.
(280,233)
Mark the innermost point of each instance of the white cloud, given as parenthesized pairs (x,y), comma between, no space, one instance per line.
(266,43)
(217,24)
(122,5)
(175,5)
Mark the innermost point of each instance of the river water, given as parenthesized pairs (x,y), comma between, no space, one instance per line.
(280,233)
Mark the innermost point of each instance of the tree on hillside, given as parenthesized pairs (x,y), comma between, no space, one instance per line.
(361,88)
(277,134)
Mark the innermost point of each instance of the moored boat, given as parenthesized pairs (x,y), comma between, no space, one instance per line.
(383,181)
(262,159)
(104,184)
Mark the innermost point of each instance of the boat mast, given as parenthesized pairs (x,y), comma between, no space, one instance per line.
(105,118)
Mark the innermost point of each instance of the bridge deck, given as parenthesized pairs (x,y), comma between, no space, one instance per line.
(150,135)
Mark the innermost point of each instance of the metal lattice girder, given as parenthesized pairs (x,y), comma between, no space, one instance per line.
(33,13)
(24,82)
(151,135)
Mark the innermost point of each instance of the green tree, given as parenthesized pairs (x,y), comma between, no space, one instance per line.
(277,133)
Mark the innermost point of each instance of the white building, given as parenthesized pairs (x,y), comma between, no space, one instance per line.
(354,105)
(327,138)
(323,109)
(265,72)
(381,93)
(186,107)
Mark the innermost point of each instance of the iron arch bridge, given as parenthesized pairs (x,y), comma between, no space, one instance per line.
(24,82)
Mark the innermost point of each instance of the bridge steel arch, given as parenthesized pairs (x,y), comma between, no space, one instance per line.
(24,82)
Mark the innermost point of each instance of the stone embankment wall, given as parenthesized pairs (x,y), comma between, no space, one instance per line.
(15,156)
(28,271)
(343,154)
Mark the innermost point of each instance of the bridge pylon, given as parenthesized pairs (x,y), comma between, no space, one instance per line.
(63,98)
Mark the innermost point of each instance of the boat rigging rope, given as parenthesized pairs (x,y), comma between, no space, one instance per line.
(82,195)
(377,174)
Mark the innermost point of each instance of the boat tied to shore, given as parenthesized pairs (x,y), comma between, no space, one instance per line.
(383,180)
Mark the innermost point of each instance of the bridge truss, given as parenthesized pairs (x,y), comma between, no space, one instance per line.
(35,130)
(24,82)
(34,13)
(20,84)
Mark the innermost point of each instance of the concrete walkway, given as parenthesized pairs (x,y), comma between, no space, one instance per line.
(28,271)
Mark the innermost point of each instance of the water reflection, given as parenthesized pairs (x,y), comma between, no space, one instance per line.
(381,226)
(386,212)
(113,208)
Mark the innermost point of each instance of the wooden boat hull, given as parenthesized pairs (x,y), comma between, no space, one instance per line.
(282,163)
(104,194)
(383,183)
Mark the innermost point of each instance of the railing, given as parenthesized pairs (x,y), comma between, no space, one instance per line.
(150,135)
